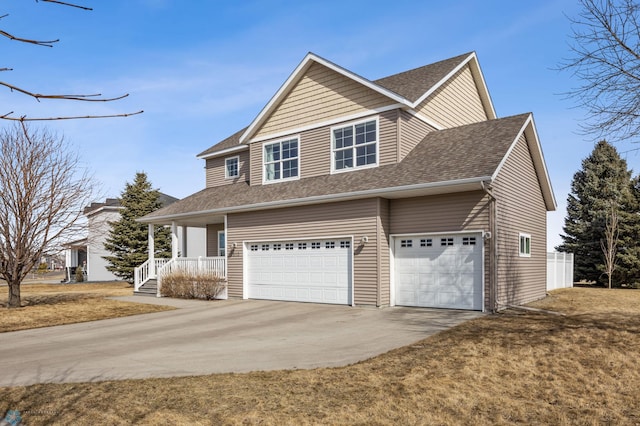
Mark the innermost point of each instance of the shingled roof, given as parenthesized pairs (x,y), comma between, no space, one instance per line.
(414,83)
(462,153)
(230,142)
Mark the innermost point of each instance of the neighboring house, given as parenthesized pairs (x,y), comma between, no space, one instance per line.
(407,190)
(75,254)
(99,216)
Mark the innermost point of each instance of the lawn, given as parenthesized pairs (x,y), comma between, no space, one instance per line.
(45,305)
(516,367)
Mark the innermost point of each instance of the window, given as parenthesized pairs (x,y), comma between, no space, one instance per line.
(254,247)
(315,246)
(265,247)
(345,244)
(525,245)
(330,244)
(426,243)
(288,246)
(281,160)
(406,243)
(231,167)
(469,241)
(446,241)
(302,246)
(277,247)
(221,244)
(355,146)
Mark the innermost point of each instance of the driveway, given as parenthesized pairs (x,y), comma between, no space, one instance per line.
(214,337)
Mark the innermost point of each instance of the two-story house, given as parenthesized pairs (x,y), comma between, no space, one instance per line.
(407,190)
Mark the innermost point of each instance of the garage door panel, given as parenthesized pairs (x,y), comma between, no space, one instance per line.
(442,271)
(306,271)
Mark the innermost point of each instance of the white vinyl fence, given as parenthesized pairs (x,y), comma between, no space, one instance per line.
(559,270)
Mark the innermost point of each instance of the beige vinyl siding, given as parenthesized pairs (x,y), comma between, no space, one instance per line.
(212,238)
(413,130)
(214,170)
(384,274)
(320,95)
(520,209)
(465,211)
(342,219)
(315,147)
(455,103)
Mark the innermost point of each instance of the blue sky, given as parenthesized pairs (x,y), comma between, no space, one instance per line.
(202,70)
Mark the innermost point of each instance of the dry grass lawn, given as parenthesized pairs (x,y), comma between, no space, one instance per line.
(44,305)
(516,367)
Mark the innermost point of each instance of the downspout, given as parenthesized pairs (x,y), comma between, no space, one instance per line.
(493,251)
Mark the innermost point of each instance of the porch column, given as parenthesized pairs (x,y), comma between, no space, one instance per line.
(174,240)
(152,252)
(184,241)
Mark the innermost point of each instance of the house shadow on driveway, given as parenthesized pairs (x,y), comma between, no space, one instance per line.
(202,338)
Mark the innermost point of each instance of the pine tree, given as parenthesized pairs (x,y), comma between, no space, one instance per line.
(603,181)
(128,239)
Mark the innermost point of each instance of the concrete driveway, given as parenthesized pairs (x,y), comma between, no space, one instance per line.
(214,337)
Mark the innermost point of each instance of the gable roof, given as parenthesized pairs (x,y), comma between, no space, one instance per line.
(450,160)
(408,89)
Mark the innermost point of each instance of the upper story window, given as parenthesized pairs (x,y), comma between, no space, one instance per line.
(281,160)
(231,167)
(355,146)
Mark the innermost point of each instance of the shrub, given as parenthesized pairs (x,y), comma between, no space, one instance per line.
(189,285)
(79,274)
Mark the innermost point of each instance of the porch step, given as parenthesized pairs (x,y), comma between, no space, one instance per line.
(150,288)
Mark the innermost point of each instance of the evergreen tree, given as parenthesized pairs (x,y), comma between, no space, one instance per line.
(603,181)
(128,239)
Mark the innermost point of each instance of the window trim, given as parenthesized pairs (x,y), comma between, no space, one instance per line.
(354,123)
(264,168)
(527,247)
(226,169)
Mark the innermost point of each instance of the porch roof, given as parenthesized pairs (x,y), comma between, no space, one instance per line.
(446,161)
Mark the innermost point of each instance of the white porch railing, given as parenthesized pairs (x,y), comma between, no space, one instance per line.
(193,265)
(144,273)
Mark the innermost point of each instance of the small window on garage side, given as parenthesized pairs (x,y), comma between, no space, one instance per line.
(406,243)
(315,246)
(345,244)
(277,247)
(254,247)
(446,241)
(427,242)
(330,245)
(525,245)
(265,247)
(469,241)
(288,246)
(231,167)
(302,246)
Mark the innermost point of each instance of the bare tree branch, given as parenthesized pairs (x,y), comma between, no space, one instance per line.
(48,43)
(66,4)
(76,117)
(86,98)
(605,57)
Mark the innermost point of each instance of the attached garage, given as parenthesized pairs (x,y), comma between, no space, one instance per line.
(317,271)
(439,271)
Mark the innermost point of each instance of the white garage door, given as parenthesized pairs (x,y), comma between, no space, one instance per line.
(439,271)
(302,271)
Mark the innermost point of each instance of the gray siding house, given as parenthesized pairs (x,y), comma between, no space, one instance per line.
(407,190)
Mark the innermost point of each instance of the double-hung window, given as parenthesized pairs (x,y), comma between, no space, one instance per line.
(525,245)
(281,160)
(355,146)
(231,167)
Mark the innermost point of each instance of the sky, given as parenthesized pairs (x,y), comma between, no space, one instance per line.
(202,70)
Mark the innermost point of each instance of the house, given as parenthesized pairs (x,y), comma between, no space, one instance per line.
(90,252)
(406,190)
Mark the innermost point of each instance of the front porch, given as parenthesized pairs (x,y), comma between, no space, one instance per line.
(148,277)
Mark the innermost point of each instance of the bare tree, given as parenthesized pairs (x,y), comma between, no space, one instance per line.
(605,57)
(43,192)
(610,241)
(10,115)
